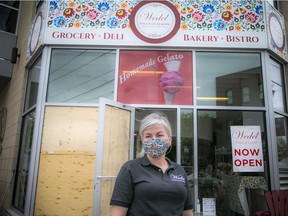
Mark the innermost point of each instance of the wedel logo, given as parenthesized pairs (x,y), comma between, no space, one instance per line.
(155,21)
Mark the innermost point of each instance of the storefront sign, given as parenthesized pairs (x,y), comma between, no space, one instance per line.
(152,23)
(155,21)
(36,35)
(155,77)
(276,32)
(247,149)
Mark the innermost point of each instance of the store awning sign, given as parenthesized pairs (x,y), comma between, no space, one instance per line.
(247,151)
(170,23)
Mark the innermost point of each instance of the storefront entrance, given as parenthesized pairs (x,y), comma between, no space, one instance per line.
(202,145)
(98,135)
(230,96)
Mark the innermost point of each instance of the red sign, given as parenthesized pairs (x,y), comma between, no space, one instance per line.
(155,77)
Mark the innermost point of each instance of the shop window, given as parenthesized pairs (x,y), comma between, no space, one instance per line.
(187,145)
(33,85)
(279,104)
(215,161)
(218,73)
(20,187)
(28,119)
(278,91)
(81,76)
(281,124)
(9,16)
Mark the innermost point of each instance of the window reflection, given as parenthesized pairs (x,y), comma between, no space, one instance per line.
(28,120)
(277,86)
(282,148)
(81,76)
(187,146)
(223,75)
(9,16)
(23,162)
(33,84)
(216,177)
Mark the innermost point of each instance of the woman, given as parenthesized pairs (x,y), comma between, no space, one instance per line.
(152,184)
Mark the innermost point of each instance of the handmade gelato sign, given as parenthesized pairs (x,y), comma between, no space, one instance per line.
(155,77)
(247,149)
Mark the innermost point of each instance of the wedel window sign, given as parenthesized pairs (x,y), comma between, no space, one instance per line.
(247,149)
(242,136)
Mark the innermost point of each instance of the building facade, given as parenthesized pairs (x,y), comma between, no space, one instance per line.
(78,76)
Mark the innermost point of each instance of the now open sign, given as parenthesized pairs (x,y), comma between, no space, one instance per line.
(247,151)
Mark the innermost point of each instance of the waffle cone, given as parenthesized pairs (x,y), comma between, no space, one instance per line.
(169,97)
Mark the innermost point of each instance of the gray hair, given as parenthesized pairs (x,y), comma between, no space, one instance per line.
(152,120)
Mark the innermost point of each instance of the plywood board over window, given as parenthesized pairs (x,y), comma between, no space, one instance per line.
(67,162)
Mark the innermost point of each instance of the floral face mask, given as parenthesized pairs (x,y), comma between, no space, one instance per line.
(155,147)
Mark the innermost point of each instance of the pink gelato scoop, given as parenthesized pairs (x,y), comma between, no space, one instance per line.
(170,80)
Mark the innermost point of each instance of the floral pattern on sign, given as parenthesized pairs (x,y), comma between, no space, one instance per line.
(90,14)
(221,15)
(208,15)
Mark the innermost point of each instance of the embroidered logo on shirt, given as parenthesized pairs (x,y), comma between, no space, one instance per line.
(177,178)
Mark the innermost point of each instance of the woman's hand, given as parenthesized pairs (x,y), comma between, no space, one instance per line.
(118,211)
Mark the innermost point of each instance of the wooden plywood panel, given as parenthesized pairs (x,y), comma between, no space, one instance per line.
(107,186)
(71,130)
(116,145)
(116,140)
(65,185)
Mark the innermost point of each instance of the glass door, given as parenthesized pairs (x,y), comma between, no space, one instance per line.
(216,177)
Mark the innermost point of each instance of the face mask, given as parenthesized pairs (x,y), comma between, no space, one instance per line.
(155,147)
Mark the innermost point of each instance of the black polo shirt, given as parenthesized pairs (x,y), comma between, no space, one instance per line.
(145,190)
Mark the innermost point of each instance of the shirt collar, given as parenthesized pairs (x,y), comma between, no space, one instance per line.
(145,161)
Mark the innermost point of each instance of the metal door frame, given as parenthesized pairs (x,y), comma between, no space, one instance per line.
(99,147)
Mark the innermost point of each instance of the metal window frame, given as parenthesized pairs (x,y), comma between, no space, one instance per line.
(267,108)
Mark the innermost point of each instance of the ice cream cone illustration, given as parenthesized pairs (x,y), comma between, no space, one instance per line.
(169,97)
(172,65)
(171,81)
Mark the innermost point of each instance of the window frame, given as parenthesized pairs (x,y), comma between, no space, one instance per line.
(17,22)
